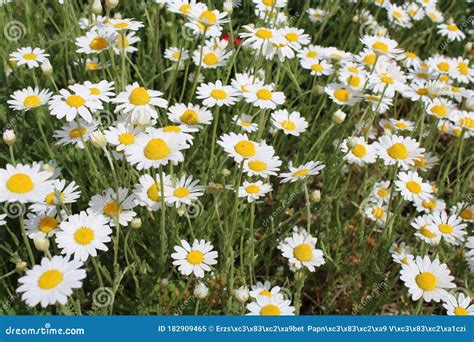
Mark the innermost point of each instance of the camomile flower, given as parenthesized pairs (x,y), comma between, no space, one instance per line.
(245,123)
(427,279)
(194,259)
(96,41)
(261,38)
(263,96)
(29,98)
(239,147)
(377,212)
(121,135)
(270,306)
(463,73)
(336,55)
(60,193)
(262,164)
(148,191)
(125,43)
(460,306)
(83,234)
(182,7)
(254,190)
(378,103)
(360,154)
(430,205)
(398,16)
(316,15)
(311,52)
(412,187)
(469,255)
(103,90)
(216,94)
(441,108)
(191,115)
(401,253)
(74,101)
(353,75)
(203,20)
(176,55)
(449,227)
(136,99)
(402,125)
(290,123)
(264,290)
(381,192)
(387,79)
(114,207)
(29,57)
(124,24)
(464,210)
(398,150)
(409,59)
(464,119)
(184,191)
(317,67)
(242,80)
(93,64)
(24,183)
(296,38)
(425,229)
(74,133)
(301,251)
(367,57)
(441,65)
(51,281)
(451,31)
(267,5)
(382,46)
(210,58)
(302,172)
(342,94)
(155,148)
(45,224)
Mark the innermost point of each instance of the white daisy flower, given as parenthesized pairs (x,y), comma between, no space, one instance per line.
(124,24)
(175,54)
(464,210)
(114,208)
(450,227)
(377,212)
(245,123)
(194,259)
(51,282)
(412,187)
(262,165)
(96,41)
(254,190)
(60,193)
(381,191)
(381,45)
(121,136)
(191,115)
(263,96)
(264,289)
(183,191)
(290,124)
(74,133)
(342,94)
(148,191)
(360,154)
(451,31)
(317,67)
(426,230)
(44,224)
(301,172)
(300,251)
(125,43)
(103,90)
(29,98)
(460,306)
(29,57)
(216,94)
(239,147)
(398,150)
(274,306)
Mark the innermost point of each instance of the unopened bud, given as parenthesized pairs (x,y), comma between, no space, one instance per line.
(136,223)
(468,47)
(242,294)
(9,137)
(111,4)
(315,196)
(47,68)
(21,266)
(201,290)
(97,7)
(41,243)
(228,7)
(338,117)
(226,172)
(352,142)
(98,139)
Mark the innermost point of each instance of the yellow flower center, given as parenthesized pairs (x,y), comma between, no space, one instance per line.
(381,47)
(426,232)
(398,151)
(401,125)
(341,94)
(353,81)
(429,204)
(270,310)
(383,192)
(288,125)
(189,117)
(386,79)
(75,101)
(47,224)
(359,151)
(443,66)
(426,281)
(99,43)
(51,197)
(301,173)
(20,183)
(265,293)
(111,209)
(467,122)
(185,8)
(317,67)
(181,192)
(121,25)
(154,192)
(268,3)
(312,54)
(94,91)
(459,311)
(413,187)
(256,165)
(76,133)
(264,33)
(445,228)
(245,148)
(50,279)
(397,14)
(195,257)
(219,94)
(410,55)
(291,37)
(420,161)
(264,94)
(369,59)
(467,214)
(31,101)
(92,66)
(172,129)
(157,149)
(439,110)
(463,68)
(422,91)
(84,236)
(452,27)
(139,96)
(122,42)
(126,138)
(252,189)
(303,252)
(208,18)
(29,56)
(378,212)
(176,55)
(210,59)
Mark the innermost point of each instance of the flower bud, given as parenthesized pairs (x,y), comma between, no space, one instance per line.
(97,7)
(318,90)
(226,172)
(47,167)
(9,137)
(468,47)
(352,142)
(136,223)
(47,68)
(470,103)
(228,7)
(21,266)
(201,290)
(164,282)
(315,196)
(98,139)
(142,118)
(111,4)
(338,117)
(242,294)
(41,243)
